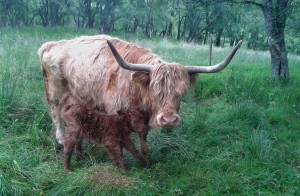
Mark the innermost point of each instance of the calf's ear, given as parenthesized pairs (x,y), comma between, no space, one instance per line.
(139,77)
(120,112)
(145,114)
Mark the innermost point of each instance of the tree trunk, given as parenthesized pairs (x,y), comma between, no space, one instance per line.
(90,12)
(184,28)
(218,38)
(90,22)
(275,15)
(207,24)
(279,60)
(54,13)
(126,27)
(149,27)
(43,12)
(107,15)
(135,25)
(179,28)
(164,31)
(169,32)
(104,26)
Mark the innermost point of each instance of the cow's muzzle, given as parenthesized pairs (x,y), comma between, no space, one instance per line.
(168,120)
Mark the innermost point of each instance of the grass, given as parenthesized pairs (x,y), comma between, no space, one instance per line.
(240,131)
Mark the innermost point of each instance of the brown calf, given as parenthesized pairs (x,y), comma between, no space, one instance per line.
(109,131)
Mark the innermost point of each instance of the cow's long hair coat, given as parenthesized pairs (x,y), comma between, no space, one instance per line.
(86,68)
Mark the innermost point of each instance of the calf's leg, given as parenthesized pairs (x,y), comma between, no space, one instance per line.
(144,144)
(79,150)
(116,155)
(71,141)
(129,145)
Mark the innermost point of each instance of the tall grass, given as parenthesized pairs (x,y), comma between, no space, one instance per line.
(240,131)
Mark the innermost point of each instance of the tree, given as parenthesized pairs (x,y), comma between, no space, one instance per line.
(11,13)
(194,21)
(130,19)
(91,9)
(293,28)
(108,15)
(275,14)
(275,17)
(51,12)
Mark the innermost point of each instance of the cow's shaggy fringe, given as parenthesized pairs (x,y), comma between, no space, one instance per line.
(168,83)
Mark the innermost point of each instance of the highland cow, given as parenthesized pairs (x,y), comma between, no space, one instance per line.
(109,131)
(112,74)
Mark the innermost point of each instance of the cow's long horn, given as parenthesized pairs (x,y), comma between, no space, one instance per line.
(126,65)
(217,67)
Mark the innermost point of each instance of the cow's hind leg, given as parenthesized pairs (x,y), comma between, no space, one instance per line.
(59,133)
(55,87)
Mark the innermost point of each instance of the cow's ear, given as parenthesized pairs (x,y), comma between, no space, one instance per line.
(193,78)
(140,77)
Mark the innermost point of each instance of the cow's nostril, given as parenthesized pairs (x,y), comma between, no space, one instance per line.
(176,120)
(170,120)
(162,120)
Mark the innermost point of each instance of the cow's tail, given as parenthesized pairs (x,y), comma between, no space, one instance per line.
(41,51)
(46,82)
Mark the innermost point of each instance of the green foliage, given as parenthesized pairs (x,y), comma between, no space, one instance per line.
(240,131)
(222,22)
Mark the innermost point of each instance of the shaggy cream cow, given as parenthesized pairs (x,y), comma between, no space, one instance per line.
(111,74)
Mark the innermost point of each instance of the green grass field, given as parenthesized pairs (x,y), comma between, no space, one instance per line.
(240,131)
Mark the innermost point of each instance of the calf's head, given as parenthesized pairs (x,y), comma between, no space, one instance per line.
(136,120)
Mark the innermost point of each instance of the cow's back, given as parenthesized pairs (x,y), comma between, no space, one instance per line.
(86,68)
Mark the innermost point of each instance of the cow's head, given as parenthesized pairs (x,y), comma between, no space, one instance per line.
(166,84)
